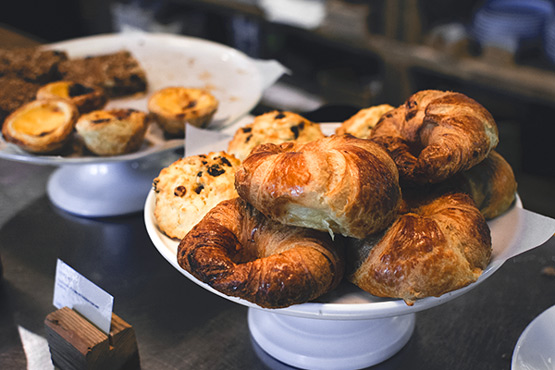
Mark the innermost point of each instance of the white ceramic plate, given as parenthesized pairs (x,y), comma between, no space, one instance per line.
(348,301)
(169,60)
(535,349)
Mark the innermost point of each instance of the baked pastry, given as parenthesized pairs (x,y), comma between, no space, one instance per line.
(439,244)
(85,98)
(118,74)
(491,184)
(14,92)
(112,132)
(187,189)
(31,64)
(173,107)
(241,253)
(274,127)
(338,184)
(436,134)
(41,126)
(361,124)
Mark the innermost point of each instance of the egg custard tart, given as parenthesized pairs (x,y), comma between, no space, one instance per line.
(86,98)
(114,131)
(172,107)
(41,126)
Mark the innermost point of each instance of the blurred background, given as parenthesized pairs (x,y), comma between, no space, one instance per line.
(361,53)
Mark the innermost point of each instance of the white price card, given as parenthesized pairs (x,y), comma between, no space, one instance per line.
(73,290)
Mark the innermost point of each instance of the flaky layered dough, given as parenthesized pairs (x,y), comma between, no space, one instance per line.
(339,184)
(491,184)
(436,134)
(438,245)
(241,253)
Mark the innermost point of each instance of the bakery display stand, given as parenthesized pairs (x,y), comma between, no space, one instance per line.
(349,328)
(310,343)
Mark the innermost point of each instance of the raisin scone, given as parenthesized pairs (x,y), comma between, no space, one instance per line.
(190,187)
(361,124)
(273,127)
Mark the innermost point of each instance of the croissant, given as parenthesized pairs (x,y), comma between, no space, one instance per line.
(340,184)
(241,253)
(491,184)
(436,134)
(438,245)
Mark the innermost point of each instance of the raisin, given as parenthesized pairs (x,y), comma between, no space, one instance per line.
(225,161)
(215,170)
(248,138)
(102,120)
(246,129)
(199,174)
(295,131)
(77,89)
(279,115)
(180,191)
(199,188)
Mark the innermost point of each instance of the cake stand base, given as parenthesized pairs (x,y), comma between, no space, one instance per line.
(309,343)
(104,189)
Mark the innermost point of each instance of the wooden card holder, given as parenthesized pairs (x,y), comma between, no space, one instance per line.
(76,343)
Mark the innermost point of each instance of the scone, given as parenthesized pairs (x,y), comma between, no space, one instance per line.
(41,126)
(172,107)
(113,132)
(274,127)
(85,98)
(361,124)
(190,187)
(119,73)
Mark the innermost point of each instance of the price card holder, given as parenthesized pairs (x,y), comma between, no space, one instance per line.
(74,332)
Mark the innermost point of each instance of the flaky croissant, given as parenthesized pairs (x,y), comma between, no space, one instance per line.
(438,245)
(436,134)
(340,184)
(241,253)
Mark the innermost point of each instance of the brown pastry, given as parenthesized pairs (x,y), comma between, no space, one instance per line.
(241,253)
(41,126)
(118,74)
(14,92)
(339,184)
(31,64)
(436,134)
(85,98)
(114,131)
(438,245)
(491,184)
(274,127)
(173,107)
(361,124)
(188,188)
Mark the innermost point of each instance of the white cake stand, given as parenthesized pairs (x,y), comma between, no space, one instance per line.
(91,186)
(348,328)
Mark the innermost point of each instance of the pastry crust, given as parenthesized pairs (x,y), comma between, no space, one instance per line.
(274,127)
(436,134)
(438,245)
(361,124)
(41,126)
(173,107)
(241,253)
(339,184)
(113,132)
(188,188)
(491,184)
(85,98)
